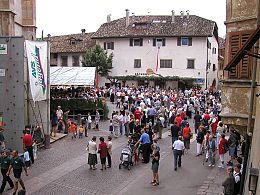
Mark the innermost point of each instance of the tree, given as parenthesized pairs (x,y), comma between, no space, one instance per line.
(98,57)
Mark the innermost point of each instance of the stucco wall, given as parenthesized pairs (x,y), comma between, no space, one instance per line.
(124,55)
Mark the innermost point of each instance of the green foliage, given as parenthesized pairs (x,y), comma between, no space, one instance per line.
(98,57)
(81,105)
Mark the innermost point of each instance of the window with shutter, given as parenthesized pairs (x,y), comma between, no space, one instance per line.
(154,42)
(131,42)
(243,69)
(179,41)
(190,41)
(105,45)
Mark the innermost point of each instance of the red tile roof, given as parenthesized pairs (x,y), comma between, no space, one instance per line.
(62,44)
(156,26)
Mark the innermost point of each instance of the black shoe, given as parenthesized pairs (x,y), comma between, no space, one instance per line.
(175,169)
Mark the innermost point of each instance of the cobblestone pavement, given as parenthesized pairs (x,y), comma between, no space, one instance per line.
(63,170)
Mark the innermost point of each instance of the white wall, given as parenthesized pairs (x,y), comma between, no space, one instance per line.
(69,58)
(213,58)
(124,55)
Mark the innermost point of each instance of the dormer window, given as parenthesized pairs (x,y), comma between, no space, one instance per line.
(74,41)
(141,25)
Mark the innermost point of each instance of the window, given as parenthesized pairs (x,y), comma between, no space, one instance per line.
(110,45)
(159,42)
(208,44)
(55,55)
(165,63)
(73,42)
(136,42)
(190,64)
(214,50)
(64,60)
(184,41)
(214,67)
(137,63)
(75,60)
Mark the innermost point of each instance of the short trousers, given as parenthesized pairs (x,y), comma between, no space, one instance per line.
(155,167)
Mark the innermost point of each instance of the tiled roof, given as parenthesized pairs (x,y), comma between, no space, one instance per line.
(62,44)
(157,26)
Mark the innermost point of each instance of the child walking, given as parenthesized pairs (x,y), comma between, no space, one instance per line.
(26,158)
(81,131)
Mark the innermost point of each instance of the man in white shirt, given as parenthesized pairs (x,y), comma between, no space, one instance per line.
(178,148)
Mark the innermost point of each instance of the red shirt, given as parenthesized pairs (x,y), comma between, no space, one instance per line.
(102,148)
(137,114)
(221,146)
(206,116)
(27,140)
(178,119)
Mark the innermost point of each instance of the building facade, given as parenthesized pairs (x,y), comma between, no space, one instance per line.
(68,50)
(240,90)
(18,18)
(183,46)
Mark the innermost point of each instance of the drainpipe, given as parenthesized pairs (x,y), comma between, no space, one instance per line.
(206,79)
(250,116)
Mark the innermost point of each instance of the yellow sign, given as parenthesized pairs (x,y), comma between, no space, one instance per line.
(149,71)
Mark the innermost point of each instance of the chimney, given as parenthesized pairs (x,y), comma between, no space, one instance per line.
(108,18)
(127,18)
(83,31)
(188,14)
(173,16)
(182,14)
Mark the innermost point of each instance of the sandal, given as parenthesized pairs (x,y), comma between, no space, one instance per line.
(154,184)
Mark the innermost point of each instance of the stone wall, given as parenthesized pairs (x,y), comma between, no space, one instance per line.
(235,101)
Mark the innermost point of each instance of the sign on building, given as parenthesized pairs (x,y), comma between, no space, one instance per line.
(37,65)
(3,49)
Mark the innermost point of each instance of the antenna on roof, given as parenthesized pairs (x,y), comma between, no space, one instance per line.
(188,13)
(182,14)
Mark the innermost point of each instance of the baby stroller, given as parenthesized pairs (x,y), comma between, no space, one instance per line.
(126,157)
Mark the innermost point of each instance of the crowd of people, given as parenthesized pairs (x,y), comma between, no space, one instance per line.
(142,114)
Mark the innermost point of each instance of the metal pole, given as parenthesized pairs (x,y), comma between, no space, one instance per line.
(47,133)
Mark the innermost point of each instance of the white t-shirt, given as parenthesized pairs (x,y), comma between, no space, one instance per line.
(26,156)
(178,145)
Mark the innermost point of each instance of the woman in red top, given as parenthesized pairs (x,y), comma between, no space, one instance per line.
(222,149)
(102,150)
(186,131)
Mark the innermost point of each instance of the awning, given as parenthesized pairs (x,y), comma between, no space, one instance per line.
(245,50)
(77,76)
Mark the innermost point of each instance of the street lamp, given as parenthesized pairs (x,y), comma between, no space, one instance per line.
(253,179)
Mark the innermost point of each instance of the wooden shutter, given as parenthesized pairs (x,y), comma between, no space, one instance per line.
(190,41)
(246,63)
(244,68)
(154,42)
(105,45)
(179,41)
(141,42)
(233,49)
(163,42)
(131,42)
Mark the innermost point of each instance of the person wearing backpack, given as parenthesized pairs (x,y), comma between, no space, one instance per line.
(222,149)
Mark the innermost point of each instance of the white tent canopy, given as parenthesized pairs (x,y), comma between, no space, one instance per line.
(78,76)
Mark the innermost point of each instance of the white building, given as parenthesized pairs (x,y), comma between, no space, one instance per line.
(68,50)
(185,46)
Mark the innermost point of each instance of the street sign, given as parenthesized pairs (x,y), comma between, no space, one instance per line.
(3,49)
